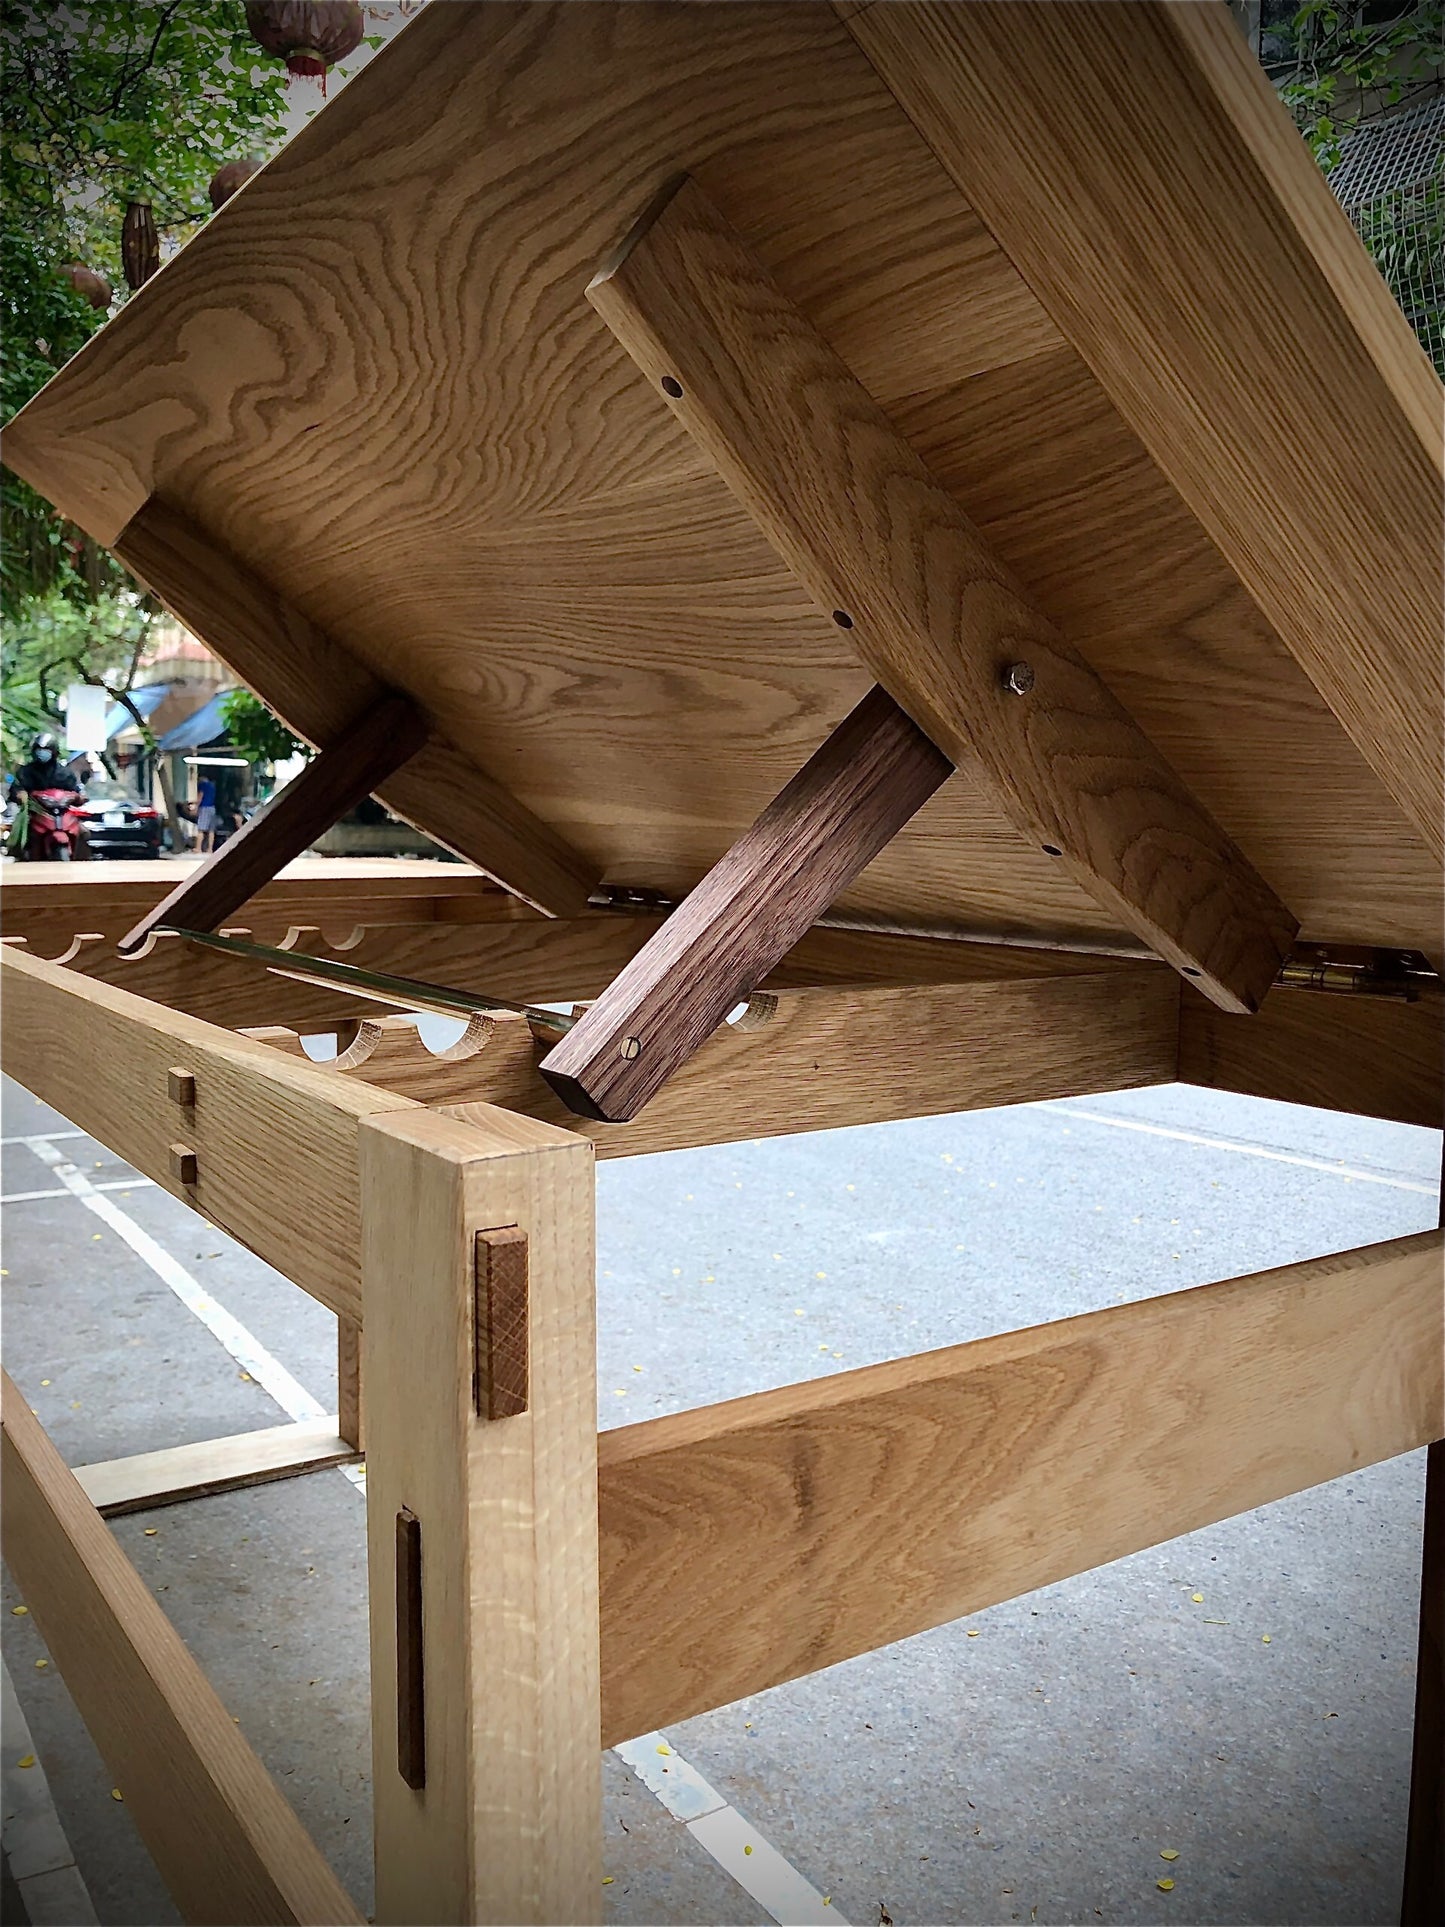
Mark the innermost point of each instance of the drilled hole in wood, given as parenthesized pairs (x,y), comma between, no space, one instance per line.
(1052,849)
(842,618)
(672,386)
(1190,971)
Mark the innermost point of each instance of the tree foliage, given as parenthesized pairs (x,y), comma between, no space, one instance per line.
(1350,62)
(256,732)
(104,102)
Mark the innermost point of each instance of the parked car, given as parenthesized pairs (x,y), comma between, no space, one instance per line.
(118,823)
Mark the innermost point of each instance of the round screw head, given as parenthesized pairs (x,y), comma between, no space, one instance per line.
(630,1047)
(1018,678)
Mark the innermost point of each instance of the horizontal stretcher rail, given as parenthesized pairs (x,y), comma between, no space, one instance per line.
(271,1139)
(225,1840)
(805,1526)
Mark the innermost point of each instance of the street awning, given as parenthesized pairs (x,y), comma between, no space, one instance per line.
(196,731)
(147,699)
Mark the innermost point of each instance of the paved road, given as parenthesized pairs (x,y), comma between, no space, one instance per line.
(1029,1764)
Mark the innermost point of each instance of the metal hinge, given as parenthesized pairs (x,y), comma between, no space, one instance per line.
(1359,971)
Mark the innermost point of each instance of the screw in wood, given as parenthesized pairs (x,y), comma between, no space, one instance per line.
(630,1047)
(1018,678)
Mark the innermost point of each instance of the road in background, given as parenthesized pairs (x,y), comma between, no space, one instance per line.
(1031,1763)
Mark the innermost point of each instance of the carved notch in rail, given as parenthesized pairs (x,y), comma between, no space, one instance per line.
(935,614)
(383,737)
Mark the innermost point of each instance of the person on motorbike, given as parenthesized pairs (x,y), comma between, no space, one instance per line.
(44,771)
(39,831)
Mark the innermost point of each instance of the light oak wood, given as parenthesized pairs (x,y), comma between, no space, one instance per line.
(929,605)
(811,1060)
(465,479)
(350,1401)
(48,904)
(506,1827)
(181,1472)
(316,687)
(374,746)
(1264,424)
(275,1139)
(532,961)
(1376,1056)
(800,1527)
(848,800)
(225,1841)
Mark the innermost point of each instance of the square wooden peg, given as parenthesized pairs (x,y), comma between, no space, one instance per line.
(499,1379)
(181,1085)
(183,1164)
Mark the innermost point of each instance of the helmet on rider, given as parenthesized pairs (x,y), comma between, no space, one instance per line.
(43,749)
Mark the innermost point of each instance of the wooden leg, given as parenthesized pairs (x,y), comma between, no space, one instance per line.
(482,1532)
(348,1382)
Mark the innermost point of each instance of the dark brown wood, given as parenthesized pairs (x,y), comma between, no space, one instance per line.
(181,1085)
(410,1677)
(500,1383)
(1423,1902)
(873,773)
(375,746)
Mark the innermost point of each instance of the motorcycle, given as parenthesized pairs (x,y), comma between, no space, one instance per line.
(52,826)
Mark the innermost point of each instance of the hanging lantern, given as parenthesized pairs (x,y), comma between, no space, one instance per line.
(227,179)
(90,286)
(140,245)
(309,35)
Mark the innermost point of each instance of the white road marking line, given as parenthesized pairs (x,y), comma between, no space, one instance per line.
(247,1350)
(44,1137)
(63,1191)
(1250,1150)
(41,1862)
(720,1830)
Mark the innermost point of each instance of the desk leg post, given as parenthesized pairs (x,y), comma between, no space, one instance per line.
(349,1419)
(1424,1900)
(482,1531)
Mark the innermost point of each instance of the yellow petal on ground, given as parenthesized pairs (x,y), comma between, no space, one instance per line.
(19,1611)
(1169,1853)
(1264,1639)
(116,1794)
(41,1664)
(973,1632)
(247,1377)
(607,1879)
(29,1760)
(1197,1597)
(664,1747)
(45,1381)
(151,1531)
(747,1849)
(95,1237)
(1165,1886)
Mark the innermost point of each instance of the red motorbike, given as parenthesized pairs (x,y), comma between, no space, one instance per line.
(53,826)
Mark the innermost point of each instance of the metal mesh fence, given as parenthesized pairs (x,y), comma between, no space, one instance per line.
(1390,180)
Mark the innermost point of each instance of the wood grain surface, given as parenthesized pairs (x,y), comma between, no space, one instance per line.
(182,1472)
(848,800)
(803,1526)
(275,1139)
(376,377)
(224,1839)
(505,1829)
(1376,1056)
(323,693)
(371,748)
(1251,344)
(931,608)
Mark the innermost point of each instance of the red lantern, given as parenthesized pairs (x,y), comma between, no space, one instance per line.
(227,179)
(309,35)
(140,245)
(90,286)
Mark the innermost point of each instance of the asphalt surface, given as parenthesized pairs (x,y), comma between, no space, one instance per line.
(1029,1764)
